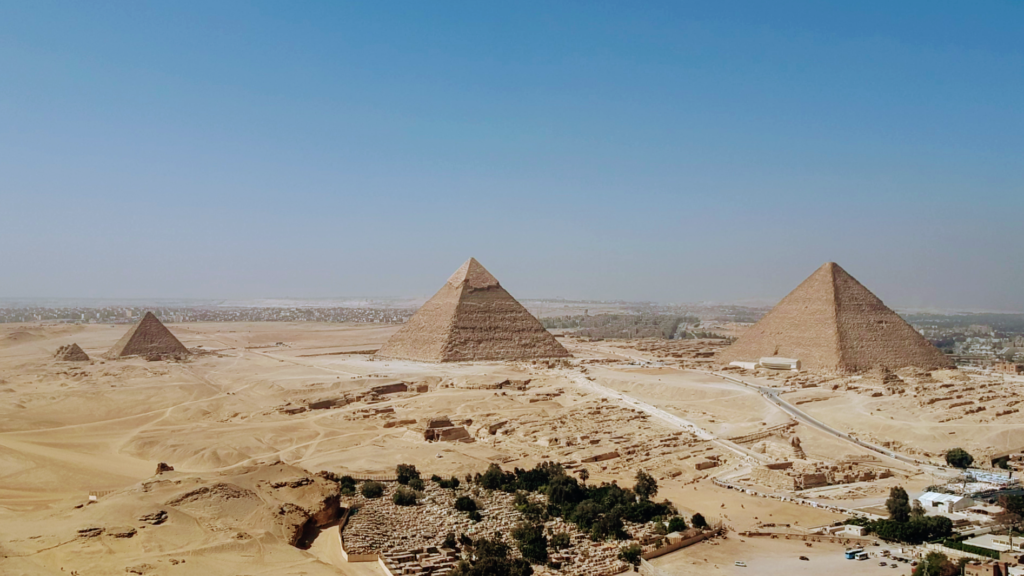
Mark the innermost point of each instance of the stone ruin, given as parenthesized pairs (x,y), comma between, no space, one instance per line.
(71,353)
(802,474)
(441,429)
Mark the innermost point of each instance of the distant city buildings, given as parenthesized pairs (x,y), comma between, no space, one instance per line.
(131,315)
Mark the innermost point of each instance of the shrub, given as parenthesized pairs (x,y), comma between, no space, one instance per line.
(371,489)
(450,484)
(465,504)
(405,473)
(416,484)
(698,521)
(475,516)
(449,541)
(348,485)
(404,497)
(631,554)
(560,541)
(676,524)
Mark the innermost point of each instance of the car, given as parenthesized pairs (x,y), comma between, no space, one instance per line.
(805,558)
(882,564)
(741,564)
(893,566)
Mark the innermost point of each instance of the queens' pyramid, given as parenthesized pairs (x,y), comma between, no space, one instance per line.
(832,323)
(472,318)
(71,353)
(147,338)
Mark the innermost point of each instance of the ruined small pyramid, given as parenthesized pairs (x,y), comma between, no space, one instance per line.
(832,323)
(71,353)
(147,338)
(472,318)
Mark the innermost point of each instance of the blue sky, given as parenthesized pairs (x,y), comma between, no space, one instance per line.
(672,151)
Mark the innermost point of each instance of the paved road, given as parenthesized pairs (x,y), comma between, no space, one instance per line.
(772,395)
(672,419)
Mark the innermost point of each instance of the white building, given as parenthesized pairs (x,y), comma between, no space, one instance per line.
(947,503)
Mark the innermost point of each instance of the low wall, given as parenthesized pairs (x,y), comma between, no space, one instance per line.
(954,553)
(648,569)
(811,537)
(680,544)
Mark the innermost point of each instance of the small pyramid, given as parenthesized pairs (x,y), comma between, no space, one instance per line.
(71,353)
(832,323)
(147,338)
(472,318)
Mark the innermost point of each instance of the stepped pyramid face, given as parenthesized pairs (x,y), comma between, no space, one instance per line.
(71,353)
(832,323)
(148,337)
(472,318)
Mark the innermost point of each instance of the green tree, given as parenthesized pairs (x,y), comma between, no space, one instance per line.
(698,521)
(676,524)
(917,510)
(584,475)
(449,541)
(898,504)
(646,486)
(560,541)
(405,473)
(631,554)
(959,458)
(532,542)
(1012,515)
(936,564)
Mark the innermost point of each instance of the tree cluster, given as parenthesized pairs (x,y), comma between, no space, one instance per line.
(908,524)
(490,558)
(596,510)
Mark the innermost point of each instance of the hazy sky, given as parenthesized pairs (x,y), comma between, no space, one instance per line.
(674,151)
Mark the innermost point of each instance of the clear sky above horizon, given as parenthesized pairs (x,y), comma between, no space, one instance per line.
(673,151)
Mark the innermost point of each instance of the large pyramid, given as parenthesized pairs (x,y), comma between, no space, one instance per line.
(832,323)
(147,338)
(472,318)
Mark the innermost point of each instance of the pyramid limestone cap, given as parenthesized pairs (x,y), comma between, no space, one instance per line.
(473,275)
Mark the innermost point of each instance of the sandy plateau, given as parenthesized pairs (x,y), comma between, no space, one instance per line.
(249,423)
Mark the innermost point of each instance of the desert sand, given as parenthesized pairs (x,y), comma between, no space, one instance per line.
(266,403)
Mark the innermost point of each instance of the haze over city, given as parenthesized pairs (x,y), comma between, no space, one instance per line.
(668,152)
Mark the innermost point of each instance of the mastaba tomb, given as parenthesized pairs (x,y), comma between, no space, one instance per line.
(472,318)
(832,323)
(148,338)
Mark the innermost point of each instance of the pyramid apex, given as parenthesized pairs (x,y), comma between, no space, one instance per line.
(474,275)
